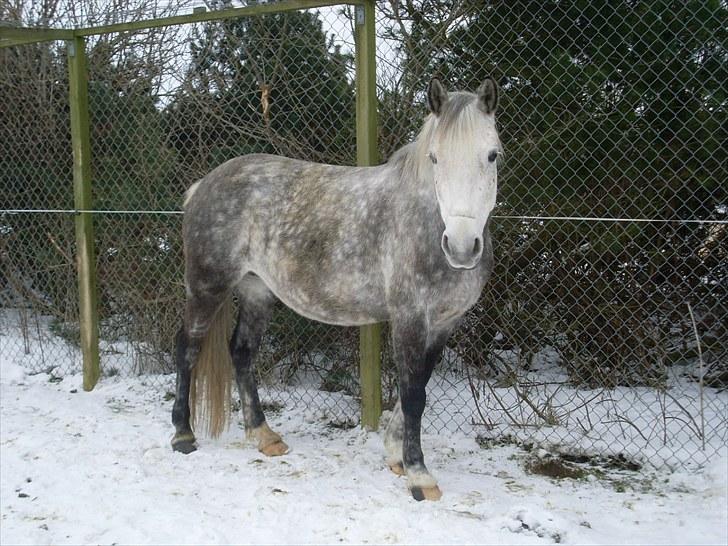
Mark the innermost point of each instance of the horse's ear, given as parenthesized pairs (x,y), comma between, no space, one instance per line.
(488,95)
(436,96)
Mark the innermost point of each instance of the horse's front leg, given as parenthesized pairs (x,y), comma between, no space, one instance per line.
(416,359)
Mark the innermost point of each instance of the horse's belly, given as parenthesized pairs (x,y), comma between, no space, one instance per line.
(342,304)
(348,317)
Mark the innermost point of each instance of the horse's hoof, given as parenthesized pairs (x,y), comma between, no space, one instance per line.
(397,468)
(426,493)
(269,442)
(184,443)
(275,449)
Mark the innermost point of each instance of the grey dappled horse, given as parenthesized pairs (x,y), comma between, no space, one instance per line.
(405,242)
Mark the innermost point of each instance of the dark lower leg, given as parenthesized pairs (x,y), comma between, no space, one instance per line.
(414,376)
(419,480)
(243,352)
(199,312)
(413,405)
(255,311)
(186,352)
(394,437)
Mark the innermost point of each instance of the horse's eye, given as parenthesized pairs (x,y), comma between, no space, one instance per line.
(492,155)
(432,158)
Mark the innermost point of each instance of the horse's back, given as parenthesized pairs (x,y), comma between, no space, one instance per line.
(261,176)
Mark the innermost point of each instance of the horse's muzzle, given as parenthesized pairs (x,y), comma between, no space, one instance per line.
(463,246)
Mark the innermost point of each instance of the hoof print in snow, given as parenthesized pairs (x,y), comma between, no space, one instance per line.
(529,524)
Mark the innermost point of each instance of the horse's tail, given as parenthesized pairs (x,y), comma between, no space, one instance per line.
(212,376)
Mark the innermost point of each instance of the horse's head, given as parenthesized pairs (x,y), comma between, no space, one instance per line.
(461,143)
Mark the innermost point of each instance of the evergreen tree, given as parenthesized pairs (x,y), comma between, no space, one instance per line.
(274,83)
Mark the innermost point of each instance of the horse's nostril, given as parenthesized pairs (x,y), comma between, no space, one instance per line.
(476,246)
(445,244)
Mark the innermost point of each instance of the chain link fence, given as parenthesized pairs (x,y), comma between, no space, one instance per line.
(605,324)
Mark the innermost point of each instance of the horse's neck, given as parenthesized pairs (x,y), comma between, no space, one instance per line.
(414,175)
(413,188)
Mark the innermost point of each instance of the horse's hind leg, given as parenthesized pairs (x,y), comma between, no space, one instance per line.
(256,307)
(199,314)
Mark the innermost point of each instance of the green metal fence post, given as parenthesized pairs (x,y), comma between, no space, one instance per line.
(85,255)
(367,154)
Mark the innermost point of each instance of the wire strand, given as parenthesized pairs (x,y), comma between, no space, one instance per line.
(498,216)
(90,211)
(607,219)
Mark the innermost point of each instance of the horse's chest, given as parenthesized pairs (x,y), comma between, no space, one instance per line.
(452,299)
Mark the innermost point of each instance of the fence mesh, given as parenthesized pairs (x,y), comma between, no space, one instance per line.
(605,323)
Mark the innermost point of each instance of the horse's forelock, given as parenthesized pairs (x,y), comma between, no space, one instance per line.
(461,122)
(458,124)
(458,115)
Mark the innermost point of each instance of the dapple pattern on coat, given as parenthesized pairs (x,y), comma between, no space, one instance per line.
(405,242)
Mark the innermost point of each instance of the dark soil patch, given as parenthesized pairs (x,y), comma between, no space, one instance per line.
(555,468)
(556,462)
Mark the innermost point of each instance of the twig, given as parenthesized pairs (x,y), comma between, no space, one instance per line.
(488,424)
(47,370)
(24,329)
(501,404)
(700,359)
(685,411)
(59,249)
(522,395)
(622,419)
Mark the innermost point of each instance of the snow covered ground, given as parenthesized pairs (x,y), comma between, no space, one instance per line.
(97,468)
